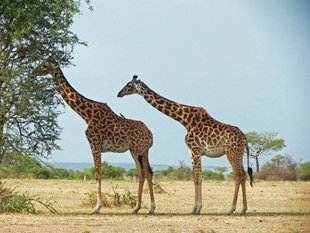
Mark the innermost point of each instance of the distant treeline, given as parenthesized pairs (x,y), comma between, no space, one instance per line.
(279,168)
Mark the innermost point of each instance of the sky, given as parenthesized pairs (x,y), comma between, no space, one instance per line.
(246,62)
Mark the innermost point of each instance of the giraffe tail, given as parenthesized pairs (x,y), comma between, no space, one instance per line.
(250,170)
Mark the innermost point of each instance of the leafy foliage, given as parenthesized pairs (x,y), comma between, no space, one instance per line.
(107,172)
(263,144)
(132,172)
(211,175)
(13,202)
(18,166)
(303,173)
(163,173)
(32,31)
(181,174)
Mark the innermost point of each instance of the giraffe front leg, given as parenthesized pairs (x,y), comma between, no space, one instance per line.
(97,161)
(196,161)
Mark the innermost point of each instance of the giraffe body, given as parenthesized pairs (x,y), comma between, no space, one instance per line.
(205,136)
(107,132)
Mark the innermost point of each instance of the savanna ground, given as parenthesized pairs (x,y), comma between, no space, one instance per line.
(272,207)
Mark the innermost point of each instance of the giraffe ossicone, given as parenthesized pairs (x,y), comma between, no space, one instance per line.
(205,136)
(107,132)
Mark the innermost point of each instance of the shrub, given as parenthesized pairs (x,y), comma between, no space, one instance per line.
(132,172)
(13,202)
(111,200)
(40,172)
(15,165)
(111,172)
(279,168)
(211,175)
(182,173)
(303,173)
(107,172)
(163,173)
(61,173)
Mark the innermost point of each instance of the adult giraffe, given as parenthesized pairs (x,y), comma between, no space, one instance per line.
(106,132)
(206,136)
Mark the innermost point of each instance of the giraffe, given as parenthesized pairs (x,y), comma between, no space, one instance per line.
(106,132)
(205,136)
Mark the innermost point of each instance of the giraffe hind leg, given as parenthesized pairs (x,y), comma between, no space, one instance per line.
(141,176)
(196,162)
(97,161)
(239,178)
(149,176)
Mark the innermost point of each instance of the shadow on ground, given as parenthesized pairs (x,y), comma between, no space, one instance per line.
(249,214)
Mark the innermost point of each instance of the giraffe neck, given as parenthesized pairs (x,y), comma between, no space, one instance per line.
(75,100)
(182,113)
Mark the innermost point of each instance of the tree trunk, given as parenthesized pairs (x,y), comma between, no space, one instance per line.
(1,141)
(257,164)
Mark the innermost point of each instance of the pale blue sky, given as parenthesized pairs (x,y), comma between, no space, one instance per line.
(246,62)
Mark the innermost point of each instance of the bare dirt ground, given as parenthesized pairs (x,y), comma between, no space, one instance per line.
(272,207)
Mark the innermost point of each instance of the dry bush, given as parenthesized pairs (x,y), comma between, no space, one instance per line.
(110,200)
(156,187)
(279,168)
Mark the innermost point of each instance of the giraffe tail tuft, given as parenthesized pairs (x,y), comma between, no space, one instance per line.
(140,162)
(250,170)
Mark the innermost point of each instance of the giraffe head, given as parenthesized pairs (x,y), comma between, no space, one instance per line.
(44,68)
(134,86)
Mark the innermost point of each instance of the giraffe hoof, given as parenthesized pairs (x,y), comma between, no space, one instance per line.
(231,211)
(151,212)
(195,213)
(135,211)
(242,213)
(95,212)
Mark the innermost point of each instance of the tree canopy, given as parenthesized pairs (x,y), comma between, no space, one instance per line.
(263,144)
(32,31)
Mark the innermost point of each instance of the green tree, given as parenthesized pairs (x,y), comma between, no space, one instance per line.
(32,31)
(107,172)
(211,175)
(263,143)
(181,173)
(61,173)
(303,171)
(220,169)
(132,172)
(15,165)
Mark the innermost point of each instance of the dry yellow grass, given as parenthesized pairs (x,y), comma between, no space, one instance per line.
(273,207)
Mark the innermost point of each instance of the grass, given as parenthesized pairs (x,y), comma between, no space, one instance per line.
(272,207)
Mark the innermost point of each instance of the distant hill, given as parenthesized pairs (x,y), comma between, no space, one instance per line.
(127,166)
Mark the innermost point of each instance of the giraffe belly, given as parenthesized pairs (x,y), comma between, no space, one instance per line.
(108,146)
(214,152)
